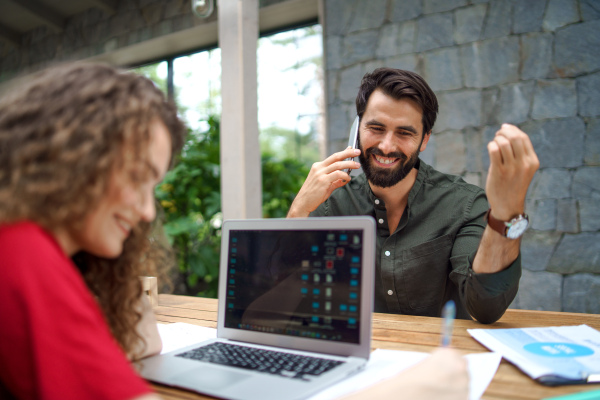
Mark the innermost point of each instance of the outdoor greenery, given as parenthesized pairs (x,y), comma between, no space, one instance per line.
(191,199)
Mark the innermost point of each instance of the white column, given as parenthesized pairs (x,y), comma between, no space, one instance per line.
(241,181)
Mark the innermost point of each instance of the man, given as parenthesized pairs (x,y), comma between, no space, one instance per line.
(436,240)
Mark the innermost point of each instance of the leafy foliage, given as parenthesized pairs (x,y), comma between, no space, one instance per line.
(191,199)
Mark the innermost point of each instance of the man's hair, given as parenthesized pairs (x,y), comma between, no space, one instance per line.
(62,134)
(399,84)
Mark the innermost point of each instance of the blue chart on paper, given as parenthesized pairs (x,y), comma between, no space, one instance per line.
(549,349)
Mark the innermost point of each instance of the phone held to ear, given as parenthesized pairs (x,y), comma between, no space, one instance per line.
(352,140)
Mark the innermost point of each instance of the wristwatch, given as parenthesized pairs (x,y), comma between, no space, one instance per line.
(512,229)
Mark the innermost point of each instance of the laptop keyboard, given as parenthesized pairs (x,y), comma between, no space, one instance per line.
(269,361)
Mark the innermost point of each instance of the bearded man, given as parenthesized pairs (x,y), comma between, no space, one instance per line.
(438,238)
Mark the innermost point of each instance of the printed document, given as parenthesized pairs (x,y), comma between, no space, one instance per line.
(551,355)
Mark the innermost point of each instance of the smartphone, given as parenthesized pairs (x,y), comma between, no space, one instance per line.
(352,140)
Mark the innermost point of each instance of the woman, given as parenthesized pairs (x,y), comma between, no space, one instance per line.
(82,147)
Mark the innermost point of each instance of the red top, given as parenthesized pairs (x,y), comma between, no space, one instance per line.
(54,340)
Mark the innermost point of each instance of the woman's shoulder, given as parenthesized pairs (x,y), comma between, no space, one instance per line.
(15,236)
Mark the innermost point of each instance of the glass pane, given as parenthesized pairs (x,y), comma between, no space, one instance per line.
(156,72)
(290,94)
(197,82)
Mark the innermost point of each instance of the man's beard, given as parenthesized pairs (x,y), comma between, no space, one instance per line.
(385,178)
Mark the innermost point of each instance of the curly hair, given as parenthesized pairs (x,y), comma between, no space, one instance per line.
(61,136)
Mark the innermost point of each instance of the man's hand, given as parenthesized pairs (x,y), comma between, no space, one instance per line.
(324,177)
(513,163)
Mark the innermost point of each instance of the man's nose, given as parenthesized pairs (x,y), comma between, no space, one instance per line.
(387,144)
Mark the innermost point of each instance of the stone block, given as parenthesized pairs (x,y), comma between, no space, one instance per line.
(450,152)
(442,69)
(576,49)
(489,105)
(359,46)
(590,215)
(396,39)
(333,52)
(404,10)
(434,31)
(588,90)
(551,183)
(560,13)
(586,183)
(458,110)
(339,122)
(498,21)
(436,6)
(368,15)
(592,142)
(469,22)
(514,103)
(589,9)
(491,62)
(581,293)
(536,55)
(338,14)
(349,82)
(543,215)
(473,178)
(554,99)
(577,253)
(528,15)
(537,248)
(408,62)
(429,154)
(558,142)
(183,22)
(474,150)
(566,218)
(332,86)
(540,291)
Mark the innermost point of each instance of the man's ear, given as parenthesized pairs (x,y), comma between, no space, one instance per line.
(426,137)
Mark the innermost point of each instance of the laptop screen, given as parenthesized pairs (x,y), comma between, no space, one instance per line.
(303,283)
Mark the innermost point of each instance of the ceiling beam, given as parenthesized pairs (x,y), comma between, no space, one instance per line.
(48,16)
(9,35)
(108,6)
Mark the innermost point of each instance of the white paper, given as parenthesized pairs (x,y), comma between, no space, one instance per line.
(571,352)
(384,364)
(179,334)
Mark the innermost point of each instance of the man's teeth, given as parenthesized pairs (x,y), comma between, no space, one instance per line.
(385,160)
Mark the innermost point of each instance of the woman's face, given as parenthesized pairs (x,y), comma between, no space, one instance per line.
(129,199)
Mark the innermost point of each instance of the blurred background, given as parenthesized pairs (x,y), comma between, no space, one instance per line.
(533,63)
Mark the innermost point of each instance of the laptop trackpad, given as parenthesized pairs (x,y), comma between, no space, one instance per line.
(208,379)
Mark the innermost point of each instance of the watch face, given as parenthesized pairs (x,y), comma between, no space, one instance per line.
(517,228)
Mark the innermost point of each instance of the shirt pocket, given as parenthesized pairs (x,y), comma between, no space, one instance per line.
(424,272)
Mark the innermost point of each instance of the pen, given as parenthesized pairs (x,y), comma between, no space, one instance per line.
(448,314)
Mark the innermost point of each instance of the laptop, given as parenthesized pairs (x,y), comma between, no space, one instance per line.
(294,315)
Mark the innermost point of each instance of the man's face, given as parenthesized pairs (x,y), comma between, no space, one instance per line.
(391,138)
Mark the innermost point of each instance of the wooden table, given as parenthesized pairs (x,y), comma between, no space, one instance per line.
(402,332)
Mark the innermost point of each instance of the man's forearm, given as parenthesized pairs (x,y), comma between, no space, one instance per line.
(295,212)
(495,252)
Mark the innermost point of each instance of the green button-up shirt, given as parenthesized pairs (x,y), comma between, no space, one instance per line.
(428,259)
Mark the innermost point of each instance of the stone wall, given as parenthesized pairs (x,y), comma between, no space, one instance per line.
(94,33)
(533,63)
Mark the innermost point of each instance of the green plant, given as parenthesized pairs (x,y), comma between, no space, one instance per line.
(191,199)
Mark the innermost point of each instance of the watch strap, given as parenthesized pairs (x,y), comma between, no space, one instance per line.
(495,224)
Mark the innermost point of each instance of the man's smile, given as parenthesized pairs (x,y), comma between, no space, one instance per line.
(385,161)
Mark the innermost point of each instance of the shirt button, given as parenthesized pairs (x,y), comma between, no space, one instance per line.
(387,253)
(377,201)
(390,292)
(381,220)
